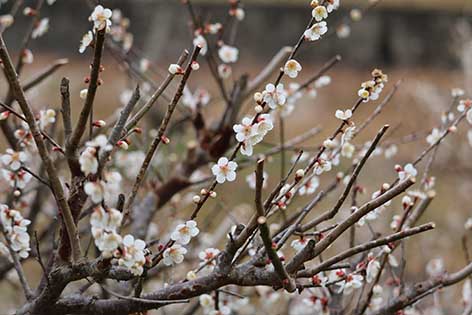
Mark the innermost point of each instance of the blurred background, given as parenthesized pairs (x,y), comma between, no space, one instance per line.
(425,43)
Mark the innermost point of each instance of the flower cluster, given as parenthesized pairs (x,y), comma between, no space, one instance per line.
(129,252)
(101,18)
(370,90)
(15,228)
(182,235)
(320,12)
(252,131)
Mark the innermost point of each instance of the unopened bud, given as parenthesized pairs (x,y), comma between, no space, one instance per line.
(196,199)
(261,220)
(175,69)
(203,192)
(83,94)
(258,109)
(165,140)
(195,66)
(299,174)
(4,115)
(213,194)
(29,11)
(122,144)
(99,123)
(258,97)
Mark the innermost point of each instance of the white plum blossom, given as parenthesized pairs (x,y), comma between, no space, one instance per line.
(228,54)
(183,233)
(347,150)
(319,13)
(208,257)
(224,71)
(323,81)
(352,282)
(321,166)
(87,39)
(101,18)
(201,42)
(373,268)
(100,142)
(27,56)
(174,255)
(206,302)
(224,170)
(435,267)
(41,28)
(469,116)
(18,179)
(292,68)
(309,186)
(343,115)
(408,171)
(274,96)
(464,105)
(88,161)
(106,241)
(46,118)
(332,5)
(13,159)
(434,136)
(316,31)
(246,130)
(106,189)
(15,228)
(457,92)
(132,255)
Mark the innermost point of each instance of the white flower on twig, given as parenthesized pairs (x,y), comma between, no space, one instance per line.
(183,233)
(200,41)
(88,161)
(132,255)
(17,179)
(343,115)
(87,39)
(406,172)
(373,268)
(274,96)
(208,257)
(224,170)
(228,54)
(46,118)
(434,136)
(310,186)
(316,31)
(319,13)
(13,159)
(41,28)
(101,18)
(292,68)
(174,255)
